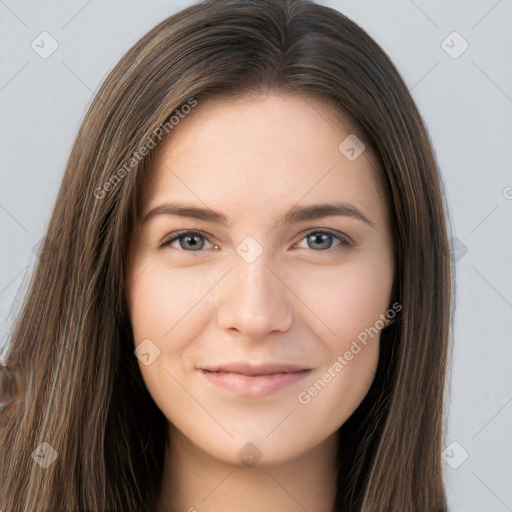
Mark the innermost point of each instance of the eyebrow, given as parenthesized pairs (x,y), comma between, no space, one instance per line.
(294,214)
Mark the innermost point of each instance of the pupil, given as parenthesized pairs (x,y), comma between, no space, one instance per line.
(192,240)
(318,238)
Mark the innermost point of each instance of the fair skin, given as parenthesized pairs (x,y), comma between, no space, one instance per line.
(292,296)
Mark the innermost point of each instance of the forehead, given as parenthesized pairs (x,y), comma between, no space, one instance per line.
(262,151)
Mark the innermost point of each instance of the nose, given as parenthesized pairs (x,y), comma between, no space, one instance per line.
(254,300)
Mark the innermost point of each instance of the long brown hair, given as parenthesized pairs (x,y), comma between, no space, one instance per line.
(83,390)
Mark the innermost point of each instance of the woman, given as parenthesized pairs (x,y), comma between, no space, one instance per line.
(224,361)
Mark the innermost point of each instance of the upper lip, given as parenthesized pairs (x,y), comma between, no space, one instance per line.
(251,370)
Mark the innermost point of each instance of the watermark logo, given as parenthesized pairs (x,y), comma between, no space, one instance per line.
(351,147)
(249,249)
(249,455)
(44,45)
(50,249)
(138,156)
(454,45)
(455,455)
(458,249)
(147,352)
(305,397)
(45,455)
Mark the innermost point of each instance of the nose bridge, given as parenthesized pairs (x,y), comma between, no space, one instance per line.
(254,300)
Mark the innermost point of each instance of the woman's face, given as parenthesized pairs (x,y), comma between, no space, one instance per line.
(256,329)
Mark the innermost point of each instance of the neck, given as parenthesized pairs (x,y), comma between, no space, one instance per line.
(195,481)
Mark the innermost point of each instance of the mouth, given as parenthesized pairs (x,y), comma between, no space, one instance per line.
(255,370)
(254,381)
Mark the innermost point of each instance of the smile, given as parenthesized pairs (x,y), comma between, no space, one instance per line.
(254,385)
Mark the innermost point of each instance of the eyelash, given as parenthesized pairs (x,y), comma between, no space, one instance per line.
(173,237)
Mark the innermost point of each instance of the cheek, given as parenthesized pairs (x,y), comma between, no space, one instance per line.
(347,299)
(147,302)
(165,308)
(335,394)
(161,297)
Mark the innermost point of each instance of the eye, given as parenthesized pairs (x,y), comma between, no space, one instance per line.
(195,241)
(323,240)
(189,241)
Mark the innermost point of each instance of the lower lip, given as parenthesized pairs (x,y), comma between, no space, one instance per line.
(256,386)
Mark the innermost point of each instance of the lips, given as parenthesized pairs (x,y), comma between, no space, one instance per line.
(255,370)
(252,381)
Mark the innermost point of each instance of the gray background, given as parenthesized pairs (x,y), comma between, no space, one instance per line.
(466,103)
